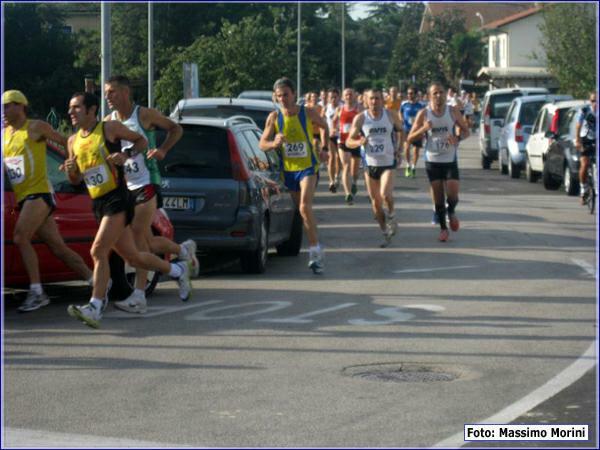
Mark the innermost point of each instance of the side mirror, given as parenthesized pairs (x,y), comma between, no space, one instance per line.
(550,135)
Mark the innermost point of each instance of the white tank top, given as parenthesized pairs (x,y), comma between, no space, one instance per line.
(437,148)
(381,142)
(137,174)
(329,114)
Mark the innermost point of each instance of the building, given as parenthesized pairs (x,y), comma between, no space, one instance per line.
(515,55)
(80,16)
(476,15)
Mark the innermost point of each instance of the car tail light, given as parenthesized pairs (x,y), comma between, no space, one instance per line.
(238,166)
(486,119)
(518,132)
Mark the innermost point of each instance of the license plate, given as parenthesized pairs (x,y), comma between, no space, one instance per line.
(180,203)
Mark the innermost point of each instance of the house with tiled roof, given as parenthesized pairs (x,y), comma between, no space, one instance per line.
(476,14)
(515,55)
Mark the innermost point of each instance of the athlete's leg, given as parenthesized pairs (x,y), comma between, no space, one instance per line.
(332,163)
(307,191)
(374,189)
(387,190)
(345,158)
(32,216)
(142,233)
(49,233)
(439,201)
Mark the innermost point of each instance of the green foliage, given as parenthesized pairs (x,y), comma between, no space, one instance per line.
(406,45)
(569,39)
(39,56)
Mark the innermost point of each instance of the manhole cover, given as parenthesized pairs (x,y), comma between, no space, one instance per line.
(402,373)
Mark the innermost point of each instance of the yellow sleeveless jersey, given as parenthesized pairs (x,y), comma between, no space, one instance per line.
(25,161)
(297,152)
(99,176)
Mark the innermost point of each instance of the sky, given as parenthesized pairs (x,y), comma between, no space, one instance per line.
(360,10)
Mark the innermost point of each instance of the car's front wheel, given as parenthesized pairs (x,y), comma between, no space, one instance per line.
(531,175)
(514,170)
(550,182)
(255,261)
(485,162)
(502,168)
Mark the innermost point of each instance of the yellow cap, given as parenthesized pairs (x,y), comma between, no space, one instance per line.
(14,96)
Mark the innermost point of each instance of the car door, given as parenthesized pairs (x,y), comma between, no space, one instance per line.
(535,144)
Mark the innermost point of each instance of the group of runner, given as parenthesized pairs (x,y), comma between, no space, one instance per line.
(117,157)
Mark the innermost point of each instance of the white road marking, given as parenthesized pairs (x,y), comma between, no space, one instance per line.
(20,437)
(154,311)
(590,270)
(433,269)
(432,308)
(561,381)
(275,306)
(302,318)
(395,315)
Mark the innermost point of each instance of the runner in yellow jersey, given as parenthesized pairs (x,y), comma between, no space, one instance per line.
(24,151)
(290,132)
(95,157)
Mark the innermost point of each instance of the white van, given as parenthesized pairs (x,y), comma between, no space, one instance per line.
(494,108)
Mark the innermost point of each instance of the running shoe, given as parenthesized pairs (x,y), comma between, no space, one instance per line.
(33,301)
(315,261)
(391,225)
(349,199)
(354,189)
(413,172)
(407,172)
(88,314)
(184,282)
(434,219)
(190,247)
(332,188)
(135,303)
(387,239)
(443,235)
(454,222)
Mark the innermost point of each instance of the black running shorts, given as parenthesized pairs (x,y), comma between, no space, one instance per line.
(114,202)
(442,171)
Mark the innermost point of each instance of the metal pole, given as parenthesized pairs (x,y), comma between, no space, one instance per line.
(105,50)
(150,54)
(343,50)
(299,67)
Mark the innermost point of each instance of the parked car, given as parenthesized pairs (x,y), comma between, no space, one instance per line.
(516,130)
(225,107)
(77,226)
(551,116)
(494,108)
(226,194)
(257,95)
(561,166)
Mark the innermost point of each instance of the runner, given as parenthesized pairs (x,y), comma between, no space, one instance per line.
(350,158)
(95,157)
(381,134)
(289,131)
(409,110)
(439,122)
(319,140)
(143,182)
(585,142)
(333,166)
(394,100)
(24,151)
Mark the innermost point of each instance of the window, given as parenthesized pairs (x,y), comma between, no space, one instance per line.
(499,104)
(529,112)
(202,151)
(250,157)
(263,161)
(224,111)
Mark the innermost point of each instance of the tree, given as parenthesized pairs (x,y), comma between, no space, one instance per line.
(569,40)
(39,56)
(406,45)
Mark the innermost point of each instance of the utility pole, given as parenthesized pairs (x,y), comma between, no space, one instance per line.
(150,54)
(343,50)
(106,51)
(299,62)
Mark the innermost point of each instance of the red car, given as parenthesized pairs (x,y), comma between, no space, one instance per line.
(77,225)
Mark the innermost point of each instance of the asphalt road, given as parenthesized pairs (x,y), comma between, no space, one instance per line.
(395,347)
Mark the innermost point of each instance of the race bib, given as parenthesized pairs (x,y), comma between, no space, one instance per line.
(346,128)
(135,170)
(296,150)
(375,146)
(15,166)
(439,145)
(95,177)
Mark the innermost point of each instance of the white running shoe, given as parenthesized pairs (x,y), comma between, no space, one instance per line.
(391,225)
(135,303)
(184,282)
(315,261)
(33,301)
(191,247)
(88,314)
(387,239)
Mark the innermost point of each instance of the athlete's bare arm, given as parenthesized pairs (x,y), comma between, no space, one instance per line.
(355,139)
(115,131)
(461,123)
(70,165)
(419,128)
(315,117)
(269,140)
(152,119)
(40,130)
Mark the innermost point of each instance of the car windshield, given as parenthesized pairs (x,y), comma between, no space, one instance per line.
(224,111)
(499,104)
(529,112)
(202,152)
